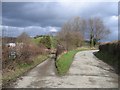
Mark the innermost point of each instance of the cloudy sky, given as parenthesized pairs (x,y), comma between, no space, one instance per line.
(43,17)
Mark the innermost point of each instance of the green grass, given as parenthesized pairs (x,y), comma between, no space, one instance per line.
(37,40)
(109,59)
(20,69)
(53,42)
(65,60)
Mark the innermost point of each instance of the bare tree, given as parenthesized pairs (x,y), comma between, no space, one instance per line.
(24,38)
(63,36)
(78,24)
(97,30)
(71,34)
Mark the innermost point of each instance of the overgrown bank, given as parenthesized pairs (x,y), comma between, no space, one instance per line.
(65,60)
(110,53)
(22,55)
(20,69)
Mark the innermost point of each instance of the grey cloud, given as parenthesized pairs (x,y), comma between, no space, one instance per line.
(54,14)
(36,13)
(41,17)
(44,13)
(30,30)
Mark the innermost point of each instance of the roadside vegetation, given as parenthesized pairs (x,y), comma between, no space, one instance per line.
(12,74)
(22,55)
(26,52)
(65,60)
(36,40)
(110,53)
(49,41)
(72,36)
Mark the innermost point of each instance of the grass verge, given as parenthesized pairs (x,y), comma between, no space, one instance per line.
(109,59)
(37,40)
(20,69)
(65,60)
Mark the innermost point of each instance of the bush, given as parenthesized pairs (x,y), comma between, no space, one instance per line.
(110,53)
(5,56)
(25,50)
(46,41)
(24,54)
(60,49)
(111,48)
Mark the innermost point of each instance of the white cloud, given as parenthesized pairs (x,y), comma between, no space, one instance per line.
(30,30)
(111,21)
(53,29)
(114,18)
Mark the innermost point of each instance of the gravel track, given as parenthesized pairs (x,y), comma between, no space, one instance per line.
(86,71)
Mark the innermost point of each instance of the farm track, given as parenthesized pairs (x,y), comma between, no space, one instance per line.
(86,71)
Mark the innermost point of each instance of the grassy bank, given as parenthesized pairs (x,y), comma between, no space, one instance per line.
(65,60)
(20,69)
(36,40)
(110,59)
(52,38)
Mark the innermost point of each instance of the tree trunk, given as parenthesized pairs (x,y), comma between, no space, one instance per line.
(91,40)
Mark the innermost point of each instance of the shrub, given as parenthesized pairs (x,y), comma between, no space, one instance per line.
(46,41)
(111,48)
(60,49)
(24,50)
(27,52)
(5,56)
(24,54)
(110,53)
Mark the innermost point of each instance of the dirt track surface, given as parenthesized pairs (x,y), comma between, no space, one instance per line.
(86,71)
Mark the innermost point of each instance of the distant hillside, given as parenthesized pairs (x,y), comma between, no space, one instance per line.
(36,40)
